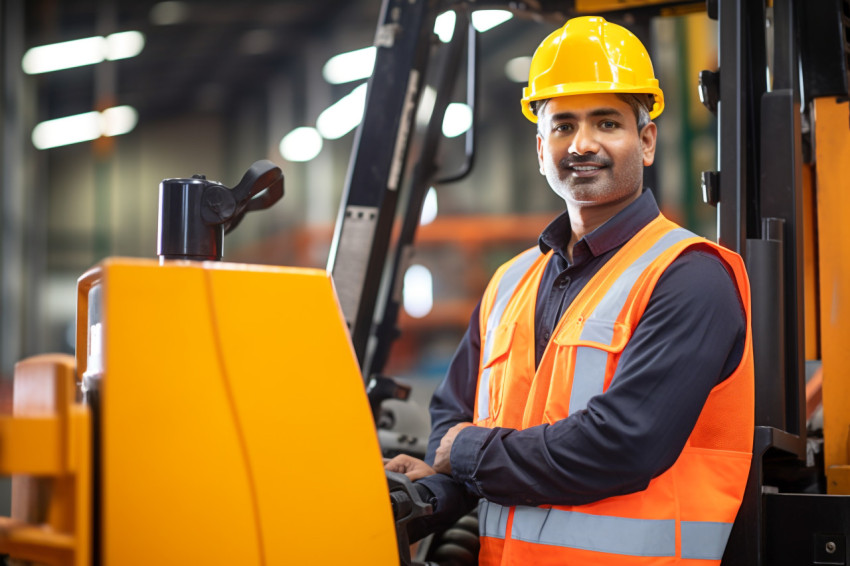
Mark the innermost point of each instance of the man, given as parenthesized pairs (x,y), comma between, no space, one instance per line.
(600,405)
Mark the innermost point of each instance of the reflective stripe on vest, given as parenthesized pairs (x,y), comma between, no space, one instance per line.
(642,528)
(603,533)
(505,291)
(492,519)
(589,374)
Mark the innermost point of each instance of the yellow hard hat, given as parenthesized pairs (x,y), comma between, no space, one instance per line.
(590,55)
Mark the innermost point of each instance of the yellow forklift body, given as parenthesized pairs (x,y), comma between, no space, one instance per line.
(832,153)
(234,427)
(46,446)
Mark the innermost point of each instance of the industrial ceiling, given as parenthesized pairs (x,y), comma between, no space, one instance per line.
(198,54)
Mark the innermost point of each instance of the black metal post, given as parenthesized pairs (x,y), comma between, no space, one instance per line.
(364,226)
(742,83)
(782,197)
(426,168)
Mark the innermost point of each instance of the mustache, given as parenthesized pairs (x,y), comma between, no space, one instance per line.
(573,160)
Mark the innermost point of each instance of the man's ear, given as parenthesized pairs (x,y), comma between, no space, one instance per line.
(647,143)
(540,152)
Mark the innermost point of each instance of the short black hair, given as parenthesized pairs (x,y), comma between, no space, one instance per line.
(640,103)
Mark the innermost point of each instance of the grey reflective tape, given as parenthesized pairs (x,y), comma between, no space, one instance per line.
(507,285)
(597,533)
(588,376)
(492,519)
(704,540)
(484,394)
(504,292)
(601,331)
(612,303)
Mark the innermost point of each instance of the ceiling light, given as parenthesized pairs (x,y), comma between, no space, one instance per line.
(350,66)
(301,144)
(358,64)
(517,69)
(84,127)
(457,119)
(79,52)
(482,20)
(344,115)
(65,55)
(444,26)
(426,105)
(429,207)
(118,120)
(418,291)
(124,45)
(68,130)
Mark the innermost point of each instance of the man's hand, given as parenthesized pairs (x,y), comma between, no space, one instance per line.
(413,468)
(442,461)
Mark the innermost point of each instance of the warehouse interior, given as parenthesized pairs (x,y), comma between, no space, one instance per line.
(217,86)
(104,100)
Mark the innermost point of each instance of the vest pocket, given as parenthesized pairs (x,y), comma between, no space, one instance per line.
(588,355)
(495,356)
(498,343)
(607,335)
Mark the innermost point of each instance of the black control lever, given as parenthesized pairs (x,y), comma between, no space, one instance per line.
(407,505)
(195,213)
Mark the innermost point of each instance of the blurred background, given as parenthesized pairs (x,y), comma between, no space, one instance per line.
(156,90)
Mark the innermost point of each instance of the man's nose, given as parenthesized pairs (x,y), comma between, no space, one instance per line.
(584,140)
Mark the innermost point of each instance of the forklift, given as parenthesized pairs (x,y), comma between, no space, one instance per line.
(780,96)
(194,442)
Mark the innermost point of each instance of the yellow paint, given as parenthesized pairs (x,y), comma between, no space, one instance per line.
(811,309)
(832,153)
(839,480)
(701,39)
(18,437)
(48,436)
(235,425)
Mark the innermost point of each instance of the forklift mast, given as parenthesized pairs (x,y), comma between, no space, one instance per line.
(780,62)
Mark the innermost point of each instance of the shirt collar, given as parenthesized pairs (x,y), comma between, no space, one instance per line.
(615,232)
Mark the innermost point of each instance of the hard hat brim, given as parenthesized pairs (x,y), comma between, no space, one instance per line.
(591,88)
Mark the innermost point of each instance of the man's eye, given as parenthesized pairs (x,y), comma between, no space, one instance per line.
(608,124)
(563,127)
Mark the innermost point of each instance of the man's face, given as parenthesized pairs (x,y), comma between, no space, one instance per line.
(590,150)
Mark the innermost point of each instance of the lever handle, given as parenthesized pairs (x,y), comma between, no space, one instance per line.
(263,174)
(194,214)
(260,187)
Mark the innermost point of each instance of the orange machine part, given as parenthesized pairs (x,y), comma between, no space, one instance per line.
(235,426)
(46,445)
(832,153)
(811,308)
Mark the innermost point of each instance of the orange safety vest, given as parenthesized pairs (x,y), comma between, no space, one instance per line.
(685,514)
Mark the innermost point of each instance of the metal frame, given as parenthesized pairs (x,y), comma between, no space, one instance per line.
(376,171)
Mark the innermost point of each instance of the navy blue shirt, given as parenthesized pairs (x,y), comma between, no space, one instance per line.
(690,337)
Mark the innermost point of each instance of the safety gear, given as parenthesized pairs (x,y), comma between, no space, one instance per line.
(590,55)
(684,513)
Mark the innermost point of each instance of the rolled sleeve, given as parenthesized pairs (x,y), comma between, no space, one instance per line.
(465,455)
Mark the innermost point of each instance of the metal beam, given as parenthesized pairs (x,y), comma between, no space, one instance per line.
(13,210)
(364,226)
